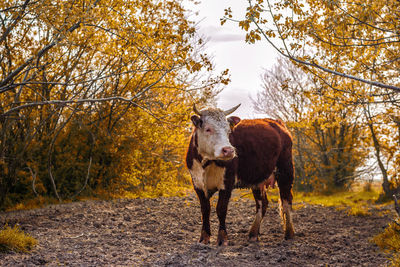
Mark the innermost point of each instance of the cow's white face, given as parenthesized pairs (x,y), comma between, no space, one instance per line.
(212,134)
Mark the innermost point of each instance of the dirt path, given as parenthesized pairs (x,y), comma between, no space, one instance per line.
(164,231)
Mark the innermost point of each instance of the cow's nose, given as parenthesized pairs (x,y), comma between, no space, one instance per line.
(228,151)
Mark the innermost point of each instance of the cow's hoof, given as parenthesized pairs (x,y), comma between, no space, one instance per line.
(289,234)
(253,234)
(222,238)
(204,238)
(205,241)
(253,238)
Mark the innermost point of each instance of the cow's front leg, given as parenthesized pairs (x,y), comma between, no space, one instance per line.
(222,208)
(205,216)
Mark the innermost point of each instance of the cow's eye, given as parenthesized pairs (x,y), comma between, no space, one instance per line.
(208,130)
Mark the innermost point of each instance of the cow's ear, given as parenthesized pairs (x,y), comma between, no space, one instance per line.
(233,120)
(196,121)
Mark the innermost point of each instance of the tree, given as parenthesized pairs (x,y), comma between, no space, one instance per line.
(354,26)
(327,138)
(74,71)
(350,46)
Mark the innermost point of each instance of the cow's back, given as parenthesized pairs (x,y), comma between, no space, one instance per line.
(258,143)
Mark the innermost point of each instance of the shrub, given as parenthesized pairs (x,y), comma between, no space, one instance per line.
(389,241)
(358,210)
(16,240)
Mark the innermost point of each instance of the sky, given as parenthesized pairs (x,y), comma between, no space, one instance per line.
(229,50)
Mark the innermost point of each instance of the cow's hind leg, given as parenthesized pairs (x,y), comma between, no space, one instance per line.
(260,197)
(205,215)
(285,181)
(222,209)
(285,212)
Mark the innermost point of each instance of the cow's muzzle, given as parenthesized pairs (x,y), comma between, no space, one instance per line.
(227,153)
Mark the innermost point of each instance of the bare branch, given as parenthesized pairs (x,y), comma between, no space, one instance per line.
(92,100)
(65,102)
(16,20)
(86,180)
(363,22)
(34,174)
(89,166)
(42,51)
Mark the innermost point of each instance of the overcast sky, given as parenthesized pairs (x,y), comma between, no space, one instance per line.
(226,43)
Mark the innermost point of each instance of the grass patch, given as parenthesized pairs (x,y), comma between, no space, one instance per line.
(389,241)
(346,198)
(34,203)
(356,202)
(14,239)
(358,211)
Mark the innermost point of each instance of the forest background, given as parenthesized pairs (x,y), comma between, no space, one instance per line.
(96,96)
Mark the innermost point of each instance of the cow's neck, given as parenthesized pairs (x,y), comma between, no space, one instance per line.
(219,163)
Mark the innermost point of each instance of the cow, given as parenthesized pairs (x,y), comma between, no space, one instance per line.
(227,153)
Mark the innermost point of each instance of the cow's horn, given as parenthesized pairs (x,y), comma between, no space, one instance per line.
(195,110)
(229,111)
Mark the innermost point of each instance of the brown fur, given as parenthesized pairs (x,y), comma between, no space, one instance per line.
(192,152)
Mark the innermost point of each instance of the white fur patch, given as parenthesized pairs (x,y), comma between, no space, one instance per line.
(214,177)
(210,178)
(197,173)
(285,211)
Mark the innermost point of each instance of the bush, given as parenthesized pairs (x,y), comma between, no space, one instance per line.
(16,240)
(389,241)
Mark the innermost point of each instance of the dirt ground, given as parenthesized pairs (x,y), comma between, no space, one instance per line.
(165,231)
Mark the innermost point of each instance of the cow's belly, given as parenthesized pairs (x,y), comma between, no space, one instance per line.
(210,178)
(250,177)
(251,173)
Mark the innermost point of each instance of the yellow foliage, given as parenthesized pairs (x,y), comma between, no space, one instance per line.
(389,241)
(328,147)
(356,202)
(357,199)
(351,51)
(359,210)
(33,203)
(108,86)
(16,240)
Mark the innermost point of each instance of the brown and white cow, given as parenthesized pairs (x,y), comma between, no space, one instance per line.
(225,153)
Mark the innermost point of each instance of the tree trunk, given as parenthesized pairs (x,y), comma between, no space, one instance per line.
(385,183)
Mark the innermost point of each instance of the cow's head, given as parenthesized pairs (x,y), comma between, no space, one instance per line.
(212,133)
